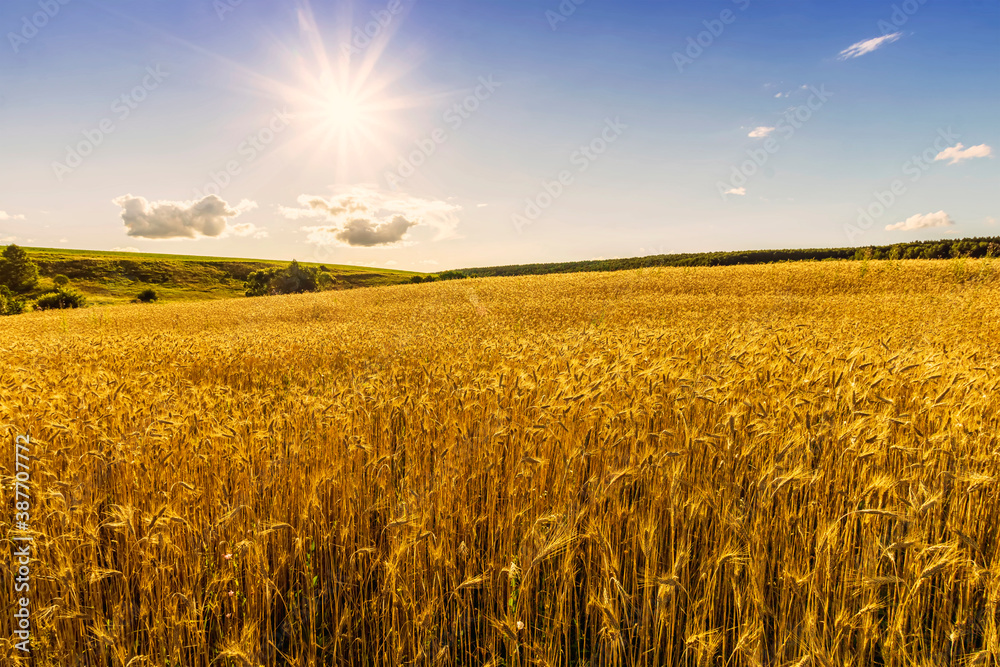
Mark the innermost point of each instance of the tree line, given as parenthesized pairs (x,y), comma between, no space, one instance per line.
(947,249)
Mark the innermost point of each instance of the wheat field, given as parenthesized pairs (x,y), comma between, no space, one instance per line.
(791,464)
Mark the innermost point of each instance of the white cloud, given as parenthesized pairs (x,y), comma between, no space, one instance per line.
(761,132)
(4,216)
(991,221)
(362,232)
(364,217)
(959,152)
(391,262)
(939,219)
(63,240)
(7,240)
(481,205)
(246,229)
(206,218)
(128,249)
(866,46)
(742,192)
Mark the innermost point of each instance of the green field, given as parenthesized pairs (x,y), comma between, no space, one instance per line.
(108,278)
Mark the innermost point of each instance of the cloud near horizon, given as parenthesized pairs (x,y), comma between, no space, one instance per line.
(959,152)
(205,218)
(866,46)
(919,221)
(5,216)
(363,217)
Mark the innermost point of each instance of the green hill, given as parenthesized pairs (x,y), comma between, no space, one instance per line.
(107,277)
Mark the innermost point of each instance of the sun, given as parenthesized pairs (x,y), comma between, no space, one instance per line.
(343,111)
(349,109)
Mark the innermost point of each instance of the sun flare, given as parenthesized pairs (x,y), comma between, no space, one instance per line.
(347,107)
(343,111)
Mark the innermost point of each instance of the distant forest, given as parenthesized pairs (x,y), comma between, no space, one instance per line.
(947,249)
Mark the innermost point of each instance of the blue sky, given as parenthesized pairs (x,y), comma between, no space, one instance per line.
(468,133)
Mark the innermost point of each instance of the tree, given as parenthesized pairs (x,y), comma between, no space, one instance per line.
(295,279)
(259,282)
(10,304)
(17,271)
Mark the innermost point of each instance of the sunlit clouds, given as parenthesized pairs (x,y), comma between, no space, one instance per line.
(959,152)
(210,217)
(365,217)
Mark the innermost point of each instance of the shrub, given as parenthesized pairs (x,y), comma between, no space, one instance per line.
(296,279)
(451,275)
(258,283)
(60,300)
(17,271)
(61,280)
(147,296)
(326,281)
(10,304)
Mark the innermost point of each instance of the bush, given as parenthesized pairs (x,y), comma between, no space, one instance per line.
(10,304)
(451,275)
(147,296)
(60,300)
(17,271)
(326,281)
(296,279)
(61,280)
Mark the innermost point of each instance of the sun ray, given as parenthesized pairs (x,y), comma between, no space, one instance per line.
(348,110)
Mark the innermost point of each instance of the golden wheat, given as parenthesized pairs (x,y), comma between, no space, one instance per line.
(777,465)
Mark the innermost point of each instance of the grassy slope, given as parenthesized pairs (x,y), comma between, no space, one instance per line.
(117,277)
